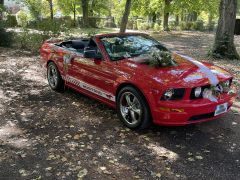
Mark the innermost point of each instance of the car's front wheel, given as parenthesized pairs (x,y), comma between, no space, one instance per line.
(133,109)
(54,78)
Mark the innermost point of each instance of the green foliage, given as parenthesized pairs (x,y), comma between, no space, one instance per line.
(51,27)
(211,26)
(11,21)
(144,26)
(35,7)
(30,41)
(198,25)
(158,58)
(186,25)
(68,7)
(6,39)
(157,27)
(22,18)
(2,8)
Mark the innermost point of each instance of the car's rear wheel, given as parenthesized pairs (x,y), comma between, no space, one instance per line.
(133,109)
(54,78)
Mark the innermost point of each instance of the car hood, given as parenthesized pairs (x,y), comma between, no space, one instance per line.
(185,75)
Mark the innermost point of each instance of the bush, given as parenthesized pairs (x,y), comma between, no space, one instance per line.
(172,25)
(11,21)
(22,18)
(211,26)
(6,39)
(51,27)
(186,25)
(144,26)
(157,27)
(130,24)
(67,20)
(28,40)
(198,25)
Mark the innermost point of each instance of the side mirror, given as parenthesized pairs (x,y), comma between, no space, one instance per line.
(67,58)
(92,54)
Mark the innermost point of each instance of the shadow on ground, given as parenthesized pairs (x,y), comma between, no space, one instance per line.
(49,135)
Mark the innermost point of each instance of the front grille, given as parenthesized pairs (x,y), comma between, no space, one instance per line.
(178,94)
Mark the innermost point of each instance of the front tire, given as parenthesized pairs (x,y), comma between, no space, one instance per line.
(133,109)
(54,78)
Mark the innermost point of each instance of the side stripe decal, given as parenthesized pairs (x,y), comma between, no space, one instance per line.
(90,88)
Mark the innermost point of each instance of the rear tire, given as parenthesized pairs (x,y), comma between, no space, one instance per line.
(55,80)
(133,109)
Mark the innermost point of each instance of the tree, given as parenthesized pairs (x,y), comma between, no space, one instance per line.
(69,7)
(35,8)
(166,13)
(126,13)
(51,8)
(85,21)
(224,39)
(1,8)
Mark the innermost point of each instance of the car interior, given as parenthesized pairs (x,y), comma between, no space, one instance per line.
(79,45)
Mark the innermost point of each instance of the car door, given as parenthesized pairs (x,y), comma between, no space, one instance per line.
(100,74)
(92,76)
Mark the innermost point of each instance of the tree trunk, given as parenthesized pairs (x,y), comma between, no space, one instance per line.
(85,13)
(224,39)
(154,18)
(210,18)
(166,15)
(1,4)
(210,21)
(51,8)
(177,20)
(125,16)
(74,13)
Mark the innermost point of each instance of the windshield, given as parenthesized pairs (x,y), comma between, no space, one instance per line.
(121,47)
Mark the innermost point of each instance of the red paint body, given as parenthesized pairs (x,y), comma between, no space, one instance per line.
(109,76)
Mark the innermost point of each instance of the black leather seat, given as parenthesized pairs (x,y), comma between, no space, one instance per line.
(78,44)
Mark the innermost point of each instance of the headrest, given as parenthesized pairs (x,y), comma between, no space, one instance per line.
(78,44)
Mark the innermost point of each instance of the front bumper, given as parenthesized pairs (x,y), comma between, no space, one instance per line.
(184,112)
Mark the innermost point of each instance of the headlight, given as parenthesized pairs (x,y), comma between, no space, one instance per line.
(168,94)
(173,94)
(198,92)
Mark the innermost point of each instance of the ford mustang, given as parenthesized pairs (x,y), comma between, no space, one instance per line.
(140,77)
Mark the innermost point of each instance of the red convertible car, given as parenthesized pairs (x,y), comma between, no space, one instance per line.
(121,71)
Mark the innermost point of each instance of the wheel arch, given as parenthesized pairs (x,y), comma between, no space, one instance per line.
(125,84)
(129,84)
(49,61)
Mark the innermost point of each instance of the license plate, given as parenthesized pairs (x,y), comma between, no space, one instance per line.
(220,109)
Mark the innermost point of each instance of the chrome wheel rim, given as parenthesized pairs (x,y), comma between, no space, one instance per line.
(131,109)
(52,76)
